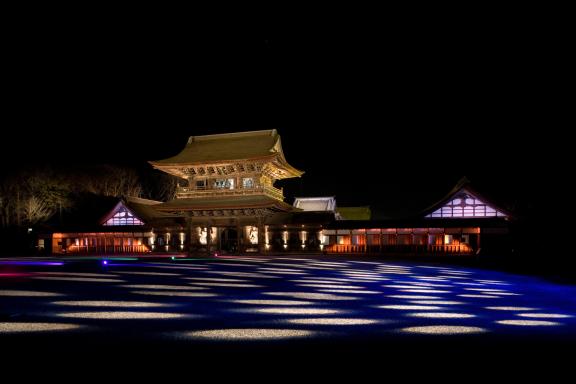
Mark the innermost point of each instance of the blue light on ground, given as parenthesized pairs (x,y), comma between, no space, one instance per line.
(258,299)
(31,263)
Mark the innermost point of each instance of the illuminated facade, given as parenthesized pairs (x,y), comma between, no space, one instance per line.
(129,226)
(229,189)
(229,204)
(462,223)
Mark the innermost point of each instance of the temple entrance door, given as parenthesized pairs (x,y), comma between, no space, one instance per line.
(229,240)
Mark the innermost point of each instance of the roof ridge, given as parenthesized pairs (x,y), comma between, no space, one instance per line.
(216,136)
(141,200)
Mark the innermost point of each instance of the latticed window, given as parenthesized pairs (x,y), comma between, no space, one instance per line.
(224,183)
(123,217)
(465,205)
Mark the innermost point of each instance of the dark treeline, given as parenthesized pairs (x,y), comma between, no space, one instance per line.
(33,195)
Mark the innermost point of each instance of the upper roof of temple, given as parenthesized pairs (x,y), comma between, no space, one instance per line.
(229,148)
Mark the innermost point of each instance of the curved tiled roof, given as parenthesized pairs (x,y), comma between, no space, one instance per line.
(226,146)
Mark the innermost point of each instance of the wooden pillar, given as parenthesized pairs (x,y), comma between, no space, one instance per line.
(208,237)
(261,237)
(478,242)
(191,233)
(239,236)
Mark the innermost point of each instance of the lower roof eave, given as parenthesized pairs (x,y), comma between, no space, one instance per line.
(421,223)
(262,202)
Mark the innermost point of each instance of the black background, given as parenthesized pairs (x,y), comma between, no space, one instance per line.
(389,113)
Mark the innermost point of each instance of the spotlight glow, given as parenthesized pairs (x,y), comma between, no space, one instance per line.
(231,285)
(104,303)
(311,296)
(480,296)
(273,302)
(410,307)
(354,291)
(401,286)
(418,284)
(361,275)
(483,290)
(327,280)
(451,272)
(414,297)
(245,274)
(504,293)
(495,282)
(216,279)
(512,308)
(528,323)
(120,315)
(441,315)
(333,321)
(330,286)
(443,330)
(275,270)
(298,311)
(175,293)
(453,277)
(31,263)
(545,315)
(427,278)
(437,302)
(36,327)
(249,334)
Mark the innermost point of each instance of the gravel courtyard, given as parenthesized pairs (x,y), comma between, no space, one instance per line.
(255,303)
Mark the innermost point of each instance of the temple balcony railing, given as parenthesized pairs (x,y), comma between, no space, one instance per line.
(191,193)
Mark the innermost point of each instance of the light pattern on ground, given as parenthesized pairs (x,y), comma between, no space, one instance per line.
(277,298)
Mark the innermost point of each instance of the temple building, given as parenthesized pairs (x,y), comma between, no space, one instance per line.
(107,225)
(462,223)
(229,204)
(230,190)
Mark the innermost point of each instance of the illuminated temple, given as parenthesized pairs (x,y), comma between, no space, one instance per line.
(228,204)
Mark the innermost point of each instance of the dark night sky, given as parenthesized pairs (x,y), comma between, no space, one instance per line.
(394,117)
